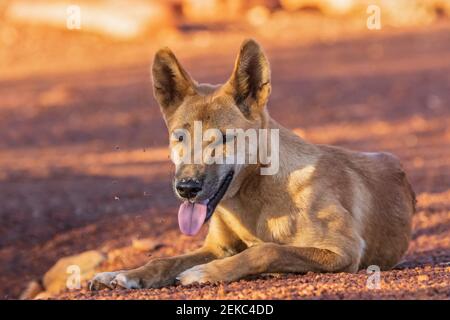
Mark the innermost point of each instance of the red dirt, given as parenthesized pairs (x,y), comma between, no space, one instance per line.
(83,165)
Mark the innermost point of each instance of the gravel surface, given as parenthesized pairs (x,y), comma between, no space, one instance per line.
(83,163)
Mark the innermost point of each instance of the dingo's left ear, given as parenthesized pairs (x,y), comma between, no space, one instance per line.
(250,81)
(171,83)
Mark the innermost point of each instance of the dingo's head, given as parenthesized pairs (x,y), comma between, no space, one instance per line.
(190,109)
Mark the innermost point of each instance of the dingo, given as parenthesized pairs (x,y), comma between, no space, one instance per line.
(325,210)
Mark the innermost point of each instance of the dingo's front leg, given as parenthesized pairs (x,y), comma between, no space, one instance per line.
(267,258)
(219,243)
(155,274)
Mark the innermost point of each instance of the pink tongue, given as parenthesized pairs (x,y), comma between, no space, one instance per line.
(191,217)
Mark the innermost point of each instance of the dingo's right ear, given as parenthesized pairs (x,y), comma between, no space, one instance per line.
(171,83)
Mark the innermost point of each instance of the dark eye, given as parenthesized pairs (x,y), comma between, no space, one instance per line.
(180,138)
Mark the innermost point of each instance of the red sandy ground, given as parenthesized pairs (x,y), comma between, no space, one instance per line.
(83,164)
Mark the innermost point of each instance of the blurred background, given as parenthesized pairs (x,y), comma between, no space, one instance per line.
(83,158)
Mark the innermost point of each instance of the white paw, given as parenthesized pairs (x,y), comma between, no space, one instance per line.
(102,280)
(195,274)
(123,281)
(112,280)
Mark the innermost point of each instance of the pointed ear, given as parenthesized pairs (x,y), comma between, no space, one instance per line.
(171,83)
(250,81)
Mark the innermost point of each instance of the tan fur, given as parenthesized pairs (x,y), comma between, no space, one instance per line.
(326,210)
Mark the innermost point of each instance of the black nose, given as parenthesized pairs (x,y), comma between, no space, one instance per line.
(188,188)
